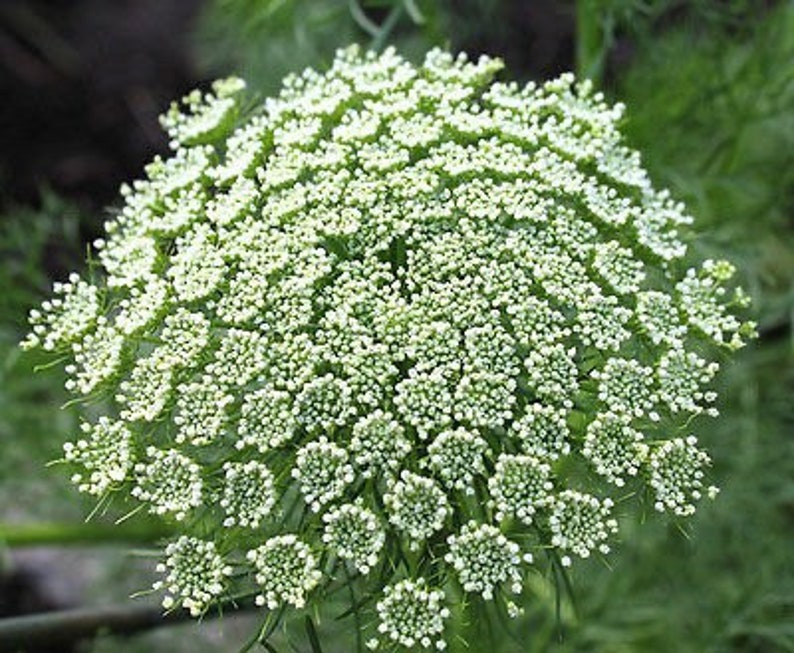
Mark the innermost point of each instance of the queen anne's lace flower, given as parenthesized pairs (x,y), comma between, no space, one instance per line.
(322,471)
(169,482)
(145,394)
(520,487)
(103,455)
(248,494)
(580,524)
(394,300)
(485,558)
(286,571)
(354,534)
(412,615)
(543,431)
(676,475)
(614,448)
(379,444)
(66,317)
(196,575)
(456,456)
(417,507)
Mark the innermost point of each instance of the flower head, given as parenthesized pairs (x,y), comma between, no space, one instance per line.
(484,558)
(413,615)
(391,320)
(196,574)
(286,571)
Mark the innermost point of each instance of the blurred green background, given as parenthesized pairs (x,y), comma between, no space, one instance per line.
(710,92)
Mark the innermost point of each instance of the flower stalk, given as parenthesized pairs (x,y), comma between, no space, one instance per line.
(62,534)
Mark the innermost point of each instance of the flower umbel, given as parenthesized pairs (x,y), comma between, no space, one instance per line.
(390,323)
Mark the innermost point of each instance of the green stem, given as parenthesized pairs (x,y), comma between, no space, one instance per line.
(53,533)
(589,41)
(387,27)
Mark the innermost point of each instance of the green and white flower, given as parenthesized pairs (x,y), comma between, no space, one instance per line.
(379,318)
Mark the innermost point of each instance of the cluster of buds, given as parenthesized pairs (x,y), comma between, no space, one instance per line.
(393,319)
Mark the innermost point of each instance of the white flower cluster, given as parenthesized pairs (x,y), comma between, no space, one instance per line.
(354,534)
(103,454)
(412,615)
(676,475)
(63,319)
(248,494)
(412,298)
(456,457)
(286,571)
(378,444)
(417,507)
(580,524)
(519,487)
(322,472)
(168,482)
(195,574)
(614,448)
(485,558)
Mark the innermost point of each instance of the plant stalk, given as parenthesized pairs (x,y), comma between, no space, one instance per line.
(54,533)
(65,627)
(589,41)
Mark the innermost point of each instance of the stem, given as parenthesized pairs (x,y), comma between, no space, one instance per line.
(589,41)
(64,627)
(386,28)
(44,534)
(67,626)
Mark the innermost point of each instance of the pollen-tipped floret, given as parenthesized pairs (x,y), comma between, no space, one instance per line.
(379,318)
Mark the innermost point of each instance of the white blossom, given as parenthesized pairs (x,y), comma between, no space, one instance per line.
(103,455)
(676,470)
(581,523)
(412,615)
(169,482)
(520,487)
(354,533)
(456,457)
(411,296)
(248,494)
(322,471)
(66,317)
(614,448)
(417,507)
(484,558)
(195,575)
(286,571)
(378,444)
